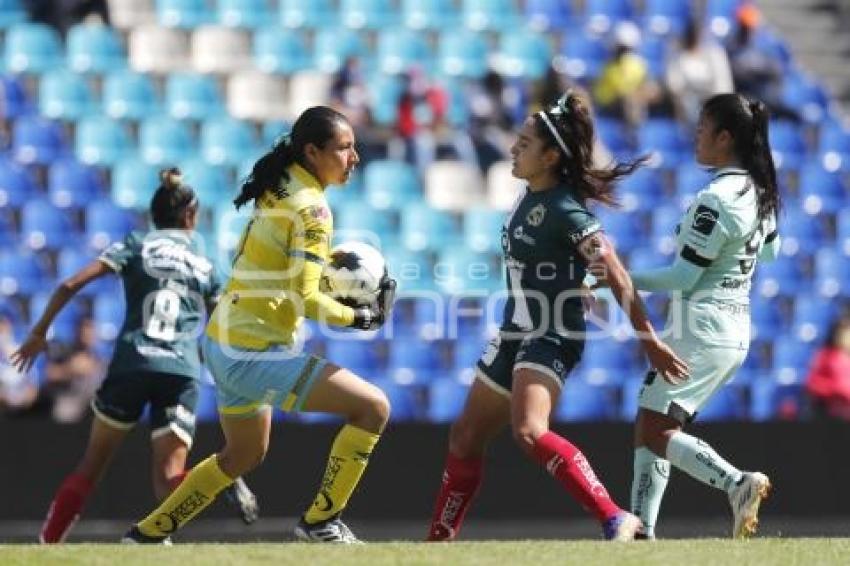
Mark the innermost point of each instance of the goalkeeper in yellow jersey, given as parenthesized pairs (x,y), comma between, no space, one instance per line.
(249,345)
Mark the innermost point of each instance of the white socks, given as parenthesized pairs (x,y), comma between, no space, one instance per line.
(699,460)
(651,474)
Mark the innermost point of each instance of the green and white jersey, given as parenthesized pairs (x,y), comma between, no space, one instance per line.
(167,286)
(721,233)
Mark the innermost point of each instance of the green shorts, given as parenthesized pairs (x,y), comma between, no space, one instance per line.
(710,367)
(250,381)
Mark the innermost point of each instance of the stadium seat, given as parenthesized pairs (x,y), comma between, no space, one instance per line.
(602,15)
(155,49)
(412,270)
(776,401)
(305,88)
(313,14)
(282,53)
(503,189)
(384,92)
(225,141)
(256,96)
(128,14)
(16,184)
(482,229)
(691,178)
(728,402)
(107,223)
(821,190)
(843,231)
(614,134)
(65,95)
(720,16)
(462,53)
(206,411)
(359,221)
(368,14)
(164,141)
(332,46)
(217,49)
(229,224)
(813,315)
(643,190)
(654,52)
(71,259)
(134,183)
(431,15)
(425,228)
(403,400)
(581,56)
(806,95)
(186,14)
(787,144)
(581,401)
(357,355)
(548,15)
(129,95)
(765,315)
(21,272)
(72,184)
(33,48)
(523,54)
(95,48)
(64,325)
(801,232)
(192,96)
(13,97)
(36,140)
(490,15)
(11,12)
(44,226)
(391,184)
(244,13)
(467,352)
(460,271)
(209,181)
(108,314)
(399,50)
(780,277)
(791,359)
(414,361)
(834,145)
(453,185)
(102,141)
(446,398)
(606,361)
(625,230)
(665,223)
(666,17)
(665,139)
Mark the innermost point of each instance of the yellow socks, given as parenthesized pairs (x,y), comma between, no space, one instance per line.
(348,459)
(190,498)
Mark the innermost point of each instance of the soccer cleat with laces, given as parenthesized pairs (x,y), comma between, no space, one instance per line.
(240,496)
(745,499)
(135,536)
(330,530)
(622,527)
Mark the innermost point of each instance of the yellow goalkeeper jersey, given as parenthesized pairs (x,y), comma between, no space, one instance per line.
(276,270)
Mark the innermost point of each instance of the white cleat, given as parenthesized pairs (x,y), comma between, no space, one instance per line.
(745,499)
(332,530)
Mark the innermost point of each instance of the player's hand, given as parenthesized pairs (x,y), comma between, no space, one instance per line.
(666,362)
(588,298)
(372,317)
(24,357)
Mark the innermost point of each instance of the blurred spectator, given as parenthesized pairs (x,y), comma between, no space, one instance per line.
(756,70)
(349,93)
(698,70)
(828,382)
(624,89)
(490,102)
(18,392)
(74,370)
(62,14)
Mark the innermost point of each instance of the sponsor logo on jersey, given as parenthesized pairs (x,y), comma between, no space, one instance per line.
(705,219)
(558,366)
(536,216)
(319,212)
(519,234)
(577,237)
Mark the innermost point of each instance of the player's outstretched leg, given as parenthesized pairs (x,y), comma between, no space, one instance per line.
(651,474)
(243,500)
(745,499)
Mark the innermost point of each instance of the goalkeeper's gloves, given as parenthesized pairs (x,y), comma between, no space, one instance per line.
(371,317)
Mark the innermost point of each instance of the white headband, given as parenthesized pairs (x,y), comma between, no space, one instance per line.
(555,133)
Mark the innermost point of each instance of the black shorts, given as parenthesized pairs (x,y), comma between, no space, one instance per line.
(121,400)
(550,354)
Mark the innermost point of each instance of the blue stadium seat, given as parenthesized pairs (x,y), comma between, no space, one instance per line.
(384,93)
(813,314)
(780,277)
(209,181)
(821,190)
(806,96)
(728,402)
(643,190)
(359,221)
(458,110)
(332,46)
(72,184)
(65,95)
(625,230)
(548,15)
(357,355)
(581,401)
(614,134)
(102,141)
(425,228)
(283,53)
(71,259)
(403,401)
(11,12)
(602,15)
(430,15)
(460,271)
(313,14)
(776,401)
(36,140)
(467,353)
(581,56)
(368,14)
(272,130)
(791,359)
(399,50)
(184,13)
(244,13)
(482,228)
(691,177)
(666,139)
(524,54)
(64,326)
(8,230)
(134,183)
(446,398)
(107,223)
(646,258)
(391,184)
(787,144)
(33,48)
(801,232)
(843,230)
(16,185)
(606,361)
(95,49)
(43,225)
(765,315)
(412,270)
(654,52)
(720,16)
(13,97)
(227,141)
(666,17)
(490,15)
(229,225)
(665,222)
(414,361)
(21,272)
(834,145)
(164,141)
(462,53)
(206,411)
(129,95)
(192,96)
(108,315)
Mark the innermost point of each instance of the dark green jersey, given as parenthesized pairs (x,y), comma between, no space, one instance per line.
(167,284)
(544,267)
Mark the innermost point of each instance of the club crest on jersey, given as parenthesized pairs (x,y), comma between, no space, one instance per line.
(704,219)
(535,217)
(319,212)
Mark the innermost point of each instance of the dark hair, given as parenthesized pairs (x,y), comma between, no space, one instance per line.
(746,121)
(571,118)
(171,199)
(835,329)
(316,125)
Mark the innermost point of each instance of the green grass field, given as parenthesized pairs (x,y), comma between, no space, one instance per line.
(757,552)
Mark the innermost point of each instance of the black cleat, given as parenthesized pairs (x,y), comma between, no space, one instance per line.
(135,536)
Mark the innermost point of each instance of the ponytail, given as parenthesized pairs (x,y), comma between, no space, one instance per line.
(171,199)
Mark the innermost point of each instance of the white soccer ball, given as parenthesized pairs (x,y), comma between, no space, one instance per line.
(353,273)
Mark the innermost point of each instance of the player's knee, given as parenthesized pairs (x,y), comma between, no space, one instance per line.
(525,434)
(378,411)
(236,462)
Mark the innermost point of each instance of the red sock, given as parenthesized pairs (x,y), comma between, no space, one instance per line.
(65,508)
(569,466)
(461,480)
(178,479)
